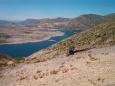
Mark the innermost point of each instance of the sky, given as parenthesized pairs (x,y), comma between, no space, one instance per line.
(23,9)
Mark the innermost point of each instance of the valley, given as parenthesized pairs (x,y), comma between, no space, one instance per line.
(91,64)
(57,42)
(32,30)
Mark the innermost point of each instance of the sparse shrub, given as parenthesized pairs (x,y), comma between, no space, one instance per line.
(19,60)
(106,53)
(71,50)
(23,78)
(61,66)
(41,75)
(71,65)
(38,71)
(35,77)
(65,70)
(100,79)
(54,72)
(73,68)
(92,58)
(88,62)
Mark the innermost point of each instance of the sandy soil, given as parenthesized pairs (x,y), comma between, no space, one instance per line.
(95,67)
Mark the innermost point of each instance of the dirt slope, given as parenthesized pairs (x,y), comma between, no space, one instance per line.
(95,67)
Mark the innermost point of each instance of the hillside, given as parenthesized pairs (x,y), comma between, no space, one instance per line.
(91,65)
(6,60)
(84,21)
(89,20)
(94,67)
(102,35)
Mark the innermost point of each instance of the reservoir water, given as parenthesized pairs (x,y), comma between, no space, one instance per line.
(26,49)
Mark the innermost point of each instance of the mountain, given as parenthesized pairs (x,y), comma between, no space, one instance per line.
(54,20)
(101,35)
(111,15)
(45,20)
(30,21)
(89,20)
(5,22)
(80,22)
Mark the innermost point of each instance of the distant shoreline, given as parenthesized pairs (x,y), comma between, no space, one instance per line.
(59,33)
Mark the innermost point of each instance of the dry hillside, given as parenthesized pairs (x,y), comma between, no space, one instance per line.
(99,36)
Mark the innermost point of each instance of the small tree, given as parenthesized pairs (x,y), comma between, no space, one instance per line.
(71,50)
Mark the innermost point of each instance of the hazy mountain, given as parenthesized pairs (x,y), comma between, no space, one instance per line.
(5,22)
(30,21)
(81,22)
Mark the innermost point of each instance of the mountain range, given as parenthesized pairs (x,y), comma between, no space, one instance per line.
(80,22)
(89,20)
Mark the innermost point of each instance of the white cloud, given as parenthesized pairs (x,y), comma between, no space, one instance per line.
(17,17)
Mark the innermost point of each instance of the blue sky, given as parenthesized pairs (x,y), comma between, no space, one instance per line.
(22,9)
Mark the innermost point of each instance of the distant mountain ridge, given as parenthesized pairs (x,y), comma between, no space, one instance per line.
(45,20)
(5,22)
(81,22)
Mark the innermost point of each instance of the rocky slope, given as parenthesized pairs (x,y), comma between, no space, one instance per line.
(102,35)
(84,21)
(5,60)
(89,20)
(94,67)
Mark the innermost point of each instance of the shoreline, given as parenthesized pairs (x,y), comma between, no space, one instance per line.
(59,33)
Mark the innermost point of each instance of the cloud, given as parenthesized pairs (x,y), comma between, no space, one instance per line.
(18,17)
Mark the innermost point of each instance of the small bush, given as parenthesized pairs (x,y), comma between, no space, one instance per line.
(54,72)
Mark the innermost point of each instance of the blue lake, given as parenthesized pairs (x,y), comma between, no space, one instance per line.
(26,49)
